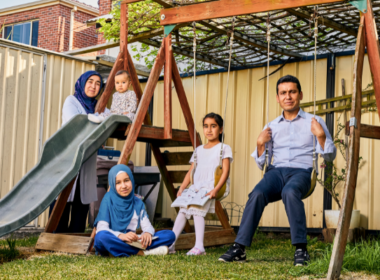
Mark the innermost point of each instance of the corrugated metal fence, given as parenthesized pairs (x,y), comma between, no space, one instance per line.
(32,98)
(33,86)
(245,120)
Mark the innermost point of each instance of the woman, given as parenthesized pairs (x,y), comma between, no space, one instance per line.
(121,214)
(87,88)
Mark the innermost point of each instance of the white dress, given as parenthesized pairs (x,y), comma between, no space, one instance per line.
(207,161)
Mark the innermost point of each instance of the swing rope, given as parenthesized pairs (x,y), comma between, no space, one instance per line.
(227,85)
(194,96)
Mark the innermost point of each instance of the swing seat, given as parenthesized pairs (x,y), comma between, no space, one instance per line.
(313,183)
(224,190)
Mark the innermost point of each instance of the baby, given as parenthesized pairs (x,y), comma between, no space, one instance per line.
(124,101)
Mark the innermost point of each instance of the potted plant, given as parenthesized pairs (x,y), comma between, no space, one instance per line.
(333,182)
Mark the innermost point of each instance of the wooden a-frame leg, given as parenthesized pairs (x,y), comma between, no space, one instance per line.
(184,104)
(373,50)
(353,161)
(143,106)
(59,207)
(168,87)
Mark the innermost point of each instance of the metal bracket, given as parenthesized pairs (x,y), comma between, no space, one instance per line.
(168,29)
(353,122)
(361,5)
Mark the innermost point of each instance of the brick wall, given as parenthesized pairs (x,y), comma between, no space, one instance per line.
(104,9)
(54,27)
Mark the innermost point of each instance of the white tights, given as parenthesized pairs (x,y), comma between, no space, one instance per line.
(199,224)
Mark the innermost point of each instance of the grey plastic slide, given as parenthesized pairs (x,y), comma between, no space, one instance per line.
(62,156)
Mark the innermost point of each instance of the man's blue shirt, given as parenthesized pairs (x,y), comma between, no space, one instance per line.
(292,143)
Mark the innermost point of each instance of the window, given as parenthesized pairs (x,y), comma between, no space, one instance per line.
(25,32)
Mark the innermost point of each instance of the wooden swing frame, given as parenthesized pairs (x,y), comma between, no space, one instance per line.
(367,37)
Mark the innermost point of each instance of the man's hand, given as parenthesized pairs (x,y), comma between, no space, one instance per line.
(128,237)
(264,137)
(146,239)
(317,129)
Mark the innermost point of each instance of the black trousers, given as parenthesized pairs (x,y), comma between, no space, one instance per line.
(74,216)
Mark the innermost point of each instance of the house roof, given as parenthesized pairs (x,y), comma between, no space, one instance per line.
(44,3)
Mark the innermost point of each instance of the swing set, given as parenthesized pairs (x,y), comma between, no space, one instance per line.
(172,17)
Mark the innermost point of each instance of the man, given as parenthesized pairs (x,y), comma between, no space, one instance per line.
(289,139)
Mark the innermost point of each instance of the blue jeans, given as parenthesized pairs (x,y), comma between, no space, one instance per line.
(106,242)
(288,184)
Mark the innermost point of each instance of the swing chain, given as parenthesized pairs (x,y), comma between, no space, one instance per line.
(228,78)
(315,19)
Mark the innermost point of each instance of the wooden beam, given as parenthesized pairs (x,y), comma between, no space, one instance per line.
(124,33)
(325,21)
(250,41)
(59,207)
(222,215)
(71,244)
(184,103)
(366,131)
(143,106)
(102,103)
(229,8)
(158,133)
(168,87)
(177,158)
(373,51)
(211,238)
(353,160)
(188,53)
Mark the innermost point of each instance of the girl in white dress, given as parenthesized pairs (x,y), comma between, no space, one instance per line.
(208,157)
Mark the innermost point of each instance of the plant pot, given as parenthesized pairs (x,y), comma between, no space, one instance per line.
(332,217)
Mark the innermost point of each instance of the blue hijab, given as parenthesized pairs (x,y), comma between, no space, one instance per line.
(88,103)
(115,209)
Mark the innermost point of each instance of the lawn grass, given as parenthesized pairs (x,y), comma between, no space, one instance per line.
(268,258)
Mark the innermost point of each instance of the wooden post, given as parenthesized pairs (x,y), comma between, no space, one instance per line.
(353,160)
(184,104)
(124,33)
(168,88)
(59,207)
(373,50)
(143,106)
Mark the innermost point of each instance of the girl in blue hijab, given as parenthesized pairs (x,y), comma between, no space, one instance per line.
(121,213)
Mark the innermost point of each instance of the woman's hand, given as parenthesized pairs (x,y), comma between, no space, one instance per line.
(212,194)
(129,236)
(125,113)
(146,239)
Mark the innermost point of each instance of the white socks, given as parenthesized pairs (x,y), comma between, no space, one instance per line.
(178,227)
(199,224)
